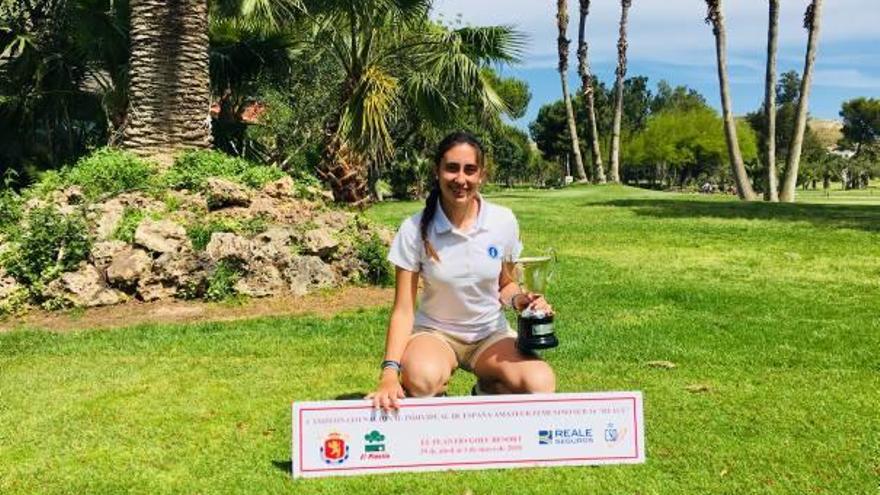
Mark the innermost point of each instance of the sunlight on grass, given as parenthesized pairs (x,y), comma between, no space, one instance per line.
(768,311)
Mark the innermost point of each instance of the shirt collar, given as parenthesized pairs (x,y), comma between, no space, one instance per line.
(443,225)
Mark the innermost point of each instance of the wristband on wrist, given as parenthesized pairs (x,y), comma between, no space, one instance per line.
(395,365)
(511,302)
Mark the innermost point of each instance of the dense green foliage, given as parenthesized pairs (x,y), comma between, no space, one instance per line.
(861,122)
(220,284)
(108,172)
(374,253)
(770,326)
(128,224)
(682,145)
(192,169)
(45,244)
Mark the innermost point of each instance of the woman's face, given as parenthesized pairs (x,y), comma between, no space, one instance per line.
(459,175)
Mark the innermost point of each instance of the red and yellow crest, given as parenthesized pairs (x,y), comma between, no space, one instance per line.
(335,449)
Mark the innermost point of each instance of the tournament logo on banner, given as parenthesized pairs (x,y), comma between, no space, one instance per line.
(335,449)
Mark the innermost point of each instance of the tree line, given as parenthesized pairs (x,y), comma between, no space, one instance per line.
(678,143)
(354,91)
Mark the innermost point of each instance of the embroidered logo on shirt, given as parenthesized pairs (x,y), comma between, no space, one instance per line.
(493,252)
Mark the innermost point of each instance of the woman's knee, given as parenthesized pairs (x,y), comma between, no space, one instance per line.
(536,378)
(424,380)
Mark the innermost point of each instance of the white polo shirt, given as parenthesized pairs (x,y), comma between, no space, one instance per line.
(460,292)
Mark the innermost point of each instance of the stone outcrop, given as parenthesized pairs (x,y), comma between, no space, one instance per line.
(161,236)
(277,241)
(221,193)
(84,287)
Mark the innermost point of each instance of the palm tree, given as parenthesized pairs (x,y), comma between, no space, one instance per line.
(618,92)
(770,193)
(392,59)
(587,89)
(169,83)
(715,16)
(562,46)
(812,19)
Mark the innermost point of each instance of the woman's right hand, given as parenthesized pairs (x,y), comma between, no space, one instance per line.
(389,391)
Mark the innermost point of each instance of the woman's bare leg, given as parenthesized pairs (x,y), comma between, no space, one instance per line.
(427,363)
(502,369)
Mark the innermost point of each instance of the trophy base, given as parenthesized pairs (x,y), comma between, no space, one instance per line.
(534,334)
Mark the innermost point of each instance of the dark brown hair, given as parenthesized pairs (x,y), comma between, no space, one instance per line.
(433,201)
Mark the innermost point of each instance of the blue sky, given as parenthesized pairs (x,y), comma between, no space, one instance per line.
(669,40)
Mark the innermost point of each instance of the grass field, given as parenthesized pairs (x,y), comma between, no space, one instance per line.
(771,314)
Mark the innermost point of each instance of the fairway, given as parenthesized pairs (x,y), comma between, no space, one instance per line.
(769,312)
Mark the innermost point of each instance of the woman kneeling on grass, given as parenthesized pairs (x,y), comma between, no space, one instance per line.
(455,244)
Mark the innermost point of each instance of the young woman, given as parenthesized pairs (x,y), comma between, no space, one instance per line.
(456,245)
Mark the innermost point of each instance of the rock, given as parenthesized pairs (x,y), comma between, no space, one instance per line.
(272,245)
(163,236)
(156,291)
(333,219)
(281,188)
(305,273)
(348,267)
(263,280)
(128,266)
(221,193)
(174,267)
(104,251)
(109,214)
(282,211)
(84,288)
(225,245)
(318,242)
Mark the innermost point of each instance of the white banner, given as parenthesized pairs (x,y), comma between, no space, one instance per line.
(499,431)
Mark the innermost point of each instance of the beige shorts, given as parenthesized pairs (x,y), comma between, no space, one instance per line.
(466,353)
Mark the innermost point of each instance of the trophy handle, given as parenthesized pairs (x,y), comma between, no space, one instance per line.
(554,260)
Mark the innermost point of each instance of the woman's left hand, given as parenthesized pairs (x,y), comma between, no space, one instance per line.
(533,301)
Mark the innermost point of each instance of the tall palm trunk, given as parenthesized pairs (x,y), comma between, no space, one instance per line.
(618,92)
(770,194)
(169,88)
(345,171)
(811,22)
(562,45)
(715,16)
(587,89)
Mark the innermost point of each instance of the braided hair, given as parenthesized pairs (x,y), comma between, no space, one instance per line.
(433,201)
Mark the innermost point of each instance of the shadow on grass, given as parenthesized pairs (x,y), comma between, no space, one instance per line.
(351,396)
(861,217)
(286,466)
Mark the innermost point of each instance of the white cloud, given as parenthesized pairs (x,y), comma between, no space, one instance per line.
(672,30)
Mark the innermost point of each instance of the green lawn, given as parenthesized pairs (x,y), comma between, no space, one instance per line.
(773,309)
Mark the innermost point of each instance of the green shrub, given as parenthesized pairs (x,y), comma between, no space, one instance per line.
(192,169)
(10,211)
(128,224)
(220,285)
(373,253)
(46,244)
(15,303)
(108,172)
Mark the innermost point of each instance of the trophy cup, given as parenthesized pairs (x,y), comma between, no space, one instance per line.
(534,327)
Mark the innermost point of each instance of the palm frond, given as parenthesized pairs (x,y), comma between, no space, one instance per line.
(493,44)
(371,109)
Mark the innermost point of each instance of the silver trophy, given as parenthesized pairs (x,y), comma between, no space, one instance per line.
(534,327)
